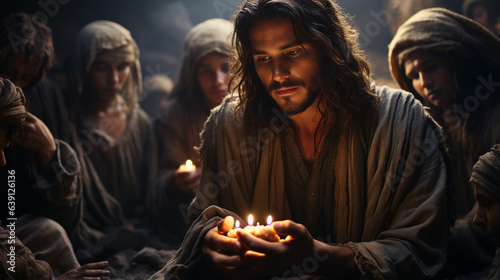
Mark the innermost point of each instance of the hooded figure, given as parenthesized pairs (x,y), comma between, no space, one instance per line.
(179,126)
(468,54)
(118,158)
(472,120)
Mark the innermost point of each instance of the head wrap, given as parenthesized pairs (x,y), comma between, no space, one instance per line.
(210,36)
(12,106)
(105,41)
(438,29)
(486,171)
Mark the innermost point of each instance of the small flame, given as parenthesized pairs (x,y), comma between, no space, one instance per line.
(250,220)
(269,220)
(189,163)
(237,224)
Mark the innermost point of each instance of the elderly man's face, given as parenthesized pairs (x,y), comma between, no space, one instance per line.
(488,213)
(288,69)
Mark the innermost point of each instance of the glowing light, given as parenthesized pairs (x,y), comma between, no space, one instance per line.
(250,220)
(269,220)
(237,224)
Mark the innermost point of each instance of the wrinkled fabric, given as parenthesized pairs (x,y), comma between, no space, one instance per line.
(387,202)
(25,265)
(486,171)
(96,37)
(178,128)
(470,134)
(116,173)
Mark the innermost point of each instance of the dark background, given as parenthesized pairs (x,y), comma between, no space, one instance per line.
(159,26)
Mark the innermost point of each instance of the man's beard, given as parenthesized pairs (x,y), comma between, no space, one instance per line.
(288,106)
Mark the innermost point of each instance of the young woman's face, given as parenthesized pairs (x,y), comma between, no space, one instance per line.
(212,72)
(107,78)
(431,76)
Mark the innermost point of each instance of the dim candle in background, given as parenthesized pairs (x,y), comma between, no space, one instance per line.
(187,167)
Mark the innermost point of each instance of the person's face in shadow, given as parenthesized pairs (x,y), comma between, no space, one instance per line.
(107,79)
(488,213)
(18,70)
(432,77)
(212,72)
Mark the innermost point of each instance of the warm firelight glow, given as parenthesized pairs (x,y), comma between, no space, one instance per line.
(237,224)
(250,220)
(189,163)
(269,220)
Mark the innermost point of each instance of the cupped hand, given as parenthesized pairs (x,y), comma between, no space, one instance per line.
(187,182)
(223,253)
(275,258)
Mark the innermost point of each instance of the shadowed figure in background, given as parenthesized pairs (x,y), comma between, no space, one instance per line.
(486,181)
(157,92)
(311,141)
(452,64)
(48,187)
(202,84)
(113,137)
(485,12)
(18,261)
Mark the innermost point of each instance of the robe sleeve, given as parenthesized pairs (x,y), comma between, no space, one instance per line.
(61,193)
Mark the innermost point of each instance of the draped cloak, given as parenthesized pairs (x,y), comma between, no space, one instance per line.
(386,201)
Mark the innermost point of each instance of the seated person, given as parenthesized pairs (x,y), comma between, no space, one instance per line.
(353,174)
(18,261)
(452,65)
(486,181)
(202,84)
(111,133)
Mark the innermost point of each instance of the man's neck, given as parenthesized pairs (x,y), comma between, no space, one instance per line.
(305,125)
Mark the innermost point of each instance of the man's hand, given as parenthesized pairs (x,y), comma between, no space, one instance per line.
(274,258)
(90,271)
(223,253)
(37,137)
(187,182)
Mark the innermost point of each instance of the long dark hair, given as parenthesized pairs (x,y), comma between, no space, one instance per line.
(345,80)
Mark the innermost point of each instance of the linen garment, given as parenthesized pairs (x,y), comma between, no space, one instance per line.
(116,172)
(379,188)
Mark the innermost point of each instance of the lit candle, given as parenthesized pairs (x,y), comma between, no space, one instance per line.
(188,167)
(264,232)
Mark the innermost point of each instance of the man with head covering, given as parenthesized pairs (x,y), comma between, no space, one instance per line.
(18,260)
(48,189)
(452,65)
(486,181)
(111,133)
(352,174)
(201,85)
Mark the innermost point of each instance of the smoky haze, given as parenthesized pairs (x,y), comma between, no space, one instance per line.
(159,26)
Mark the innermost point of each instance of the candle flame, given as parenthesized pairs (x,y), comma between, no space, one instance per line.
(189,163)
(269,220)
(237,224)
(250,220)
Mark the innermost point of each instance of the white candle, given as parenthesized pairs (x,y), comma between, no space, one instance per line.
(188,167)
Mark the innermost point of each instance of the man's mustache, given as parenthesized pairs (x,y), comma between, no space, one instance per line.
(287,83)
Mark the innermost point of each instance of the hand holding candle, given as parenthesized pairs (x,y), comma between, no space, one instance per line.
(263,232)
(188,167)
